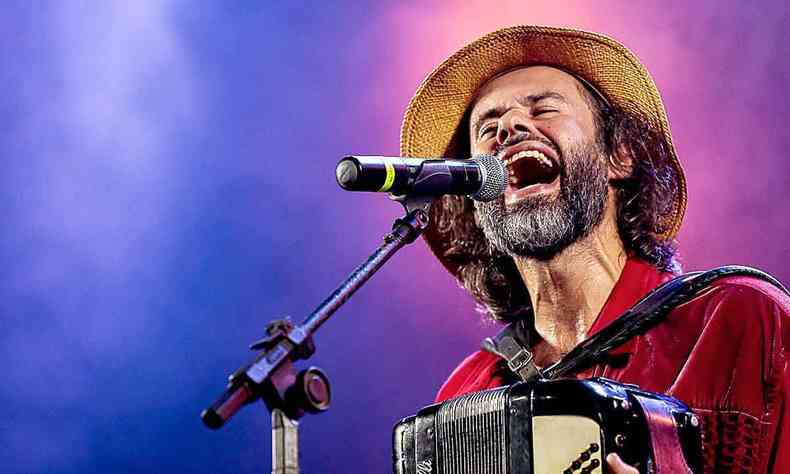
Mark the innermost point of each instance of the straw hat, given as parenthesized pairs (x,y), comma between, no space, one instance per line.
(434,124)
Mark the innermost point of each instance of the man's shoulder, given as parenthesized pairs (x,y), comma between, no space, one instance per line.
(744,295)
(744,286)
(732,311)
(476,372)
(728,309)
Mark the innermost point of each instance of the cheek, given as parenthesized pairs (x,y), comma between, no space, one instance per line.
(565,134)
(484,147)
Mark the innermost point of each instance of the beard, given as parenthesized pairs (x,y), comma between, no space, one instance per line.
(541,226)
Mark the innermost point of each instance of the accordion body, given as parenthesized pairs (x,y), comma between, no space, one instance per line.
(548,427)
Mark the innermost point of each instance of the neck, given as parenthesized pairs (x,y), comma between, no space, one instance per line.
(569,290)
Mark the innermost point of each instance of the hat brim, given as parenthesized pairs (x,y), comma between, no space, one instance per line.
(433,122)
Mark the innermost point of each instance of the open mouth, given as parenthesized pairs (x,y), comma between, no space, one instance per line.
(529,167)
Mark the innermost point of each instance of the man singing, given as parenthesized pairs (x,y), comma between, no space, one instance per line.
(586,227)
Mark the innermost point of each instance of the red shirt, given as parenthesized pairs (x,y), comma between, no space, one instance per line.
(724,354)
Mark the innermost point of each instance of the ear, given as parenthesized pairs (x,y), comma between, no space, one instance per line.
(621,164)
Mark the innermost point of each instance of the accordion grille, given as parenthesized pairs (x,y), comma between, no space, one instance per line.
(471,435)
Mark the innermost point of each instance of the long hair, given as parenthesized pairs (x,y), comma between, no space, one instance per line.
(643,201)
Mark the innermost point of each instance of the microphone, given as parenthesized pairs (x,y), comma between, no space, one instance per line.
(483,178)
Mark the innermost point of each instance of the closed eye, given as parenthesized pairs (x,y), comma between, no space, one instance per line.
(543,111)
(486,130)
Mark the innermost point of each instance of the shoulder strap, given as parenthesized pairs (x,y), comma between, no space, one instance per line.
(646,313)
(507,346)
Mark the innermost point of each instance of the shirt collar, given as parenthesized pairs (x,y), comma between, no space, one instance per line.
(636,280)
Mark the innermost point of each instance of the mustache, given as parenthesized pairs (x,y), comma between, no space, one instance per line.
(522,137)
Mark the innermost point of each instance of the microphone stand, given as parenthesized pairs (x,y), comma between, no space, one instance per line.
(271,375)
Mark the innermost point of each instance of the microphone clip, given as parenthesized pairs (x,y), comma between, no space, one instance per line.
(417,216)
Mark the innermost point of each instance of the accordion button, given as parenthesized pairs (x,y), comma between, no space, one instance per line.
(594,448)
(591,467)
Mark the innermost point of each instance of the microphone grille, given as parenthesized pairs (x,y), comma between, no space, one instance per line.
(494,178)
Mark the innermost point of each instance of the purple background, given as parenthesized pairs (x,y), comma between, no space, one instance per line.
(168,187)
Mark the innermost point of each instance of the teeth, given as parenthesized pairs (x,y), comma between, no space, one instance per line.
(528,154)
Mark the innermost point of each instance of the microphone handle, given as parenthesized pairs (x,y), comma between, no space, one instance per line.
(401,176)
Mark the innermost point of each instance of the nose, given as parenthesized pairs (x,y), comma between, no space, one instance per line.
(511,124)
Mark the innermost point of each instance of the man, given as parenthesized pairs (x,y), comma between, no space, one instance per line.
(595,196)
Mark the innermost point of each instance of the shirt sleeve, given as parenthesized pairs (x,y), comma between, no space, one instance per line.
(780,455)
(477,372)
(737,376)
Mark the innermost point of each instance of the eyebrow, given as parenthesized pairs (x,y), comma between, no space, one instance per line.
(526,101)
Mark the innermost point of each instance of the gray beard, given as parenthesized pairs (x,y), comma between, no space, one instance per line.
(541,226)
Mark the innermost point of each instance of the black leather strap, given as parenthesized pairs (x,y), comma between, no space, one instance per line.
(519,359)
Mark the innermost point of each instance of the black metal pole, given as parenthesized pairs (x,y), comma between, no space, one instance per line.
(271,373)
(405,231)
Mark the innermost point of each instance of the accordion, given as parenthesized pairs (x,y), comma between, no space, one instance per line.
(549,427)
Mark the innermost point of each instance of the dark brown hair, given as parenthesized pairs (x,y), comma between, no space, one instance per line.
(644,199)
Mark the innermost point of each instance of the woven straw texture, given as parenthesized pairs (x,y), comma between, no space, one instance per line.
(434,118)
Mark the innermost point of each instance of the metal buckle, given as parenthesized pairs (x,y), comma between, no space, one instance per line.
(520,361)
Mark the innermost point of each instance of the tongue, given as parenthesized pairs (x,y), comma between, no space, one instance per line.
(527,171)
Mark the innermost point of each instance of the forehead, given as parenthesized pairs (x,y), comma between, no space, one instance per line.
(527,81)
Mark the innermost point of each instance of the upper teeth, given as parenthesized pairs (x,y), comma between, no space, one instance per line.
(528,154)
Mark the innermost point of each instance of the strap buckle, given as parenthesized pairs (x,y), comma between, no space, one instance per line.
(519,361)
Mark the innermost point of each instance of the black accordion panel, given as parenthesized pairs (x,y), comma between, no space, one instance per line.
(546,427)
